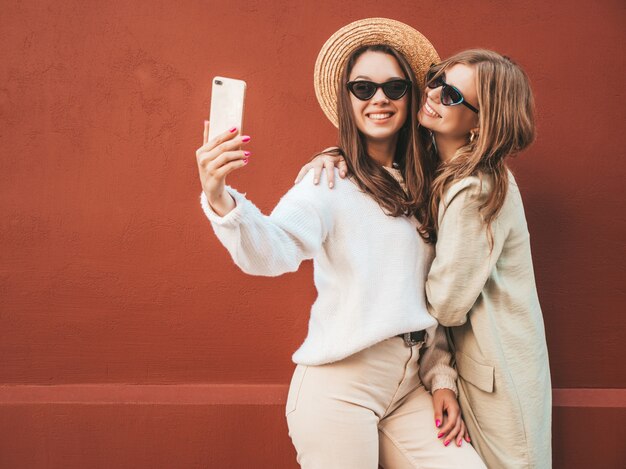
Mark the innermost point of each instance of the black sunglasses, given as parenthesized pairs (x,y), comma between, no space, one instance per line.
(450,95)
(364,90)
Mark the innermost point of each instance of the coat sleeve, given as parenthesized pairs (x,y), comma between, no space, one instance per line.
(435,370)
(275,244)
(464,258)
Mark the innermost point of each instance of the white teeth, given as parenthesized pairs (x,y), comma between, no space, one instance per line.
(430,111)
(379,116)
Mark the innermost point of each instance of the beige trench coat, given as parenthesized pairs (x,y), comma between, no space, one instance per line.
(489,299)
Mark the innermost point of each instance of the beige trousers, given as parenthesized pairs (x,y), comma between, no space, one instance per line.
(366,410)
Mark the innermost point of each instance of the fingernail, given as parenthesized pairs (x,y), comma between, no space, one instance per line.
(245,161)
(460,443)
(245,138)
(247,153)
(446,443)
(232,129)
(206,122)
(315,181)
(330,185)
(440,435)
(468,439)
(437,423)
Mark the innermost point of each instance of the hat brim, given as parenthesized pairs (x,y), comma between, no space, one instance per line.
(412,44)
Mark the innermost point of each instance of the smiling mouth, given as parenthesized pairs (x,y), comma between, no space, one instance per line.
(429,111)
(380,116)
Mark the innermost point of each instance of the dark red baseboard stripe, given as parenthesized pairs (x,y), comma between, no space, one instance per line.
(231,394)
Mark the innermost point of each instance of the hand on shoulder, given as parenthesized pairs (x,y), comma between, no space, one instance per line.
(329,158)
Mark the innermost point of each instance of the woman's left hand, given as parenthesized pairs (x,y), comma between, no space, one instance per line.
(448,419)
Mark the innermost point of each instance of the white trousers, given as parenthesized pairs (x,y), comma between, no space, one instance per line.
(369,409)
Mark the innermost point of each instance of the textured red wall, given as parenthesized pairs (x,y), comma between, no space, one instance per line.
(110,274)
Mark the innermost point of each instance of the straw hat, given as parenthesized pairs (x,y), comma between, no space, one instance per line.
(418,51)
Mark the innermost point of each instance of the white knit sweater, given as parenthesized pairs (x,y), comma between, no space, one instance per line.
(369,268)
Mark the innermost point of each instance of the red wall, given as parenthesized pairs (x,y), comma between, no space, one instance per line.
(111,278)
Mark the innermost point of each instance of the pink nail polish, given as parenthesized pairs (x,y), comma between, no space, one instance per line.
(232,129)
(460,443)
(247,153)
(245,161)
(446,443)
(245,138)
(440,435)
(437,423)
(206,122)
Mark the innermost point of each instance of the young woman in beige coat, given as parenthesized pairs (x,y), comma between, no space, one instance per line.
(478,110)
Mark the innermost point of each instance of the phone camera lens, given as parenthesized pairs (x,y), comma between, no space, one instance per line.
(218,82)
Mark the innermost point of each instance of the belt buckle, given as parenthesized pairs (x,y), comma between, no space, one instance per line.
(409,341)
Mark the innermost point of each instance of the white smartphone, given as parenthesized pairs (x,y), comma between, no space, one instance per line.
(227,97)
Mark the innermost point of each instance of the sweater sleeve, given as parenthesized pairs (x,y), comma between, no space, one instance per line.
(435,370)
(275,244)
(464,257)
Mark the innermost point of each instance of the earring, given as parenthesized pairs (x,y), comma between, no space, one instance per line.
(432,137)
(472,136)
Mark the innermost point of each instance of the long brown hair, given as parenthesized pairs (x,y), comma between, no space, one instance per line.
(506,127)
(367,174)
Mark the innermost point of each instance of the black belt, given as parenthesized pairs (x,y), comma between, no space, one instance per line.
(413,338)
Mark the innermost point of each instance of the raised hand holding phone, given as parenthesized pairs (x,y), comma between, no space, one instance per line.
(221,152)
(216,159)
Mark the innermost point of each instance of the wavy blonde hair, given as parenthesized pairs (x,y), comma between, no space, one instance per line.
(506,127)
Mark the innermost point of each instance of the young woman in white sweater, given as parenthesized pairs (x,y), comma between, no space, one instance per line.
(478,110)
(359,396)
